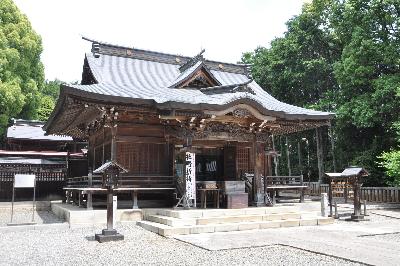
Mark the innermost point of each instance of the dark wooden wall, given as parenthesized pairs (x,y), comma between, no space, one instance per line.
(144,158)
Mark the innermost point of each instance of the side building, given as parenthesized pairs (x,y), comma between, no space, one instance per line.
(52,158)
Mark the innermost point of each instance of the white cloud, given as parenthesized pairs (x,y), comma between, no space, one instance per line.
(224,28)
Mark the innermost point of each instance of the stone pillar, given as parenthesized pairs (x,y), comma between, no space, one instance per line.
(324,204)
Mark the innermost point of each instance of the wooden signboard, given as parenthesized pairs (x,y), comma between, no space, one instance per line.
(190,175)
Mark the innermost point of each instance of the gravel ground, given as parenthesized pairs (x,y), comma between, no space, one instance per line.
(25,215)
(77,247)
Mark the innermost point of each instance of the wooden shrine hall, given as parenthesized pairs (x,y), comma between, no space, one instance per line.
(144,109)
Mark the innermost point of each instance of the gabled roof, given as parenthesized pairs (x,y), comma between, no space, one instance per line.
(132,76)
(355,171)
(187,75)
(103,168)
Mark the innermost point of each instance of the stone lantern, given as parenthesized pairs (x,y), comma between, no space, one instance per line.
(110,171)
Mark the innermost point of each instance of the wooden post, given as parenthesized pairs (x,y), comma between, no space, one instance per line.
(113,154)
(135,200)
(258,198)
(333,149)
(103,152)
(302,190)
(276,159)
(288,157)
(110,210)
(330,195)
(320,154)
(89,202)
(299,155)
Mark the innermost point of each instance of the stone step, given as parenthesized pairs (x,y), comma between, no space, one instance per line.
(166,230)
(205,213)
(172,221)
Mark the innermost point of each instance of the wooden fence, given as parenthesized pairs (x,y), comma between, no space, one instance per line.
(381,194)
(371,194)
(315,188)
(49,182)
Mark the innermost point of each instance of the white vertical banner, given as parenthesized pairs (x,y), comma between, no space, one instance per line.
(190,175)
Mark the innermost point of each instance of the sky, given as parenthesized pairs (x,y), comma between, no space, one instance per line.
(225,29)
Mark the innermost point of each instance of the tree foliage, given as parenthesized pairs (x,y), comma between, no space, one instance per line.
(21,72)
(391,162)
(341,56)
(23,91)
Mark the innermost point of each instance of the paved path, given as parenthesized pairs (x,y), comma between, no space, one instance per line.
(375,242)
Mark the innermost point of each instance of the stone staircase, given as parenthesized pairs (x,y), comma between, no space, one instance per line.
(167,222)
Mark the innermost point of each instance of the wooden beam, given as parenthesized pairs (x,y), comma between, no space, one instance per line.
(135,139)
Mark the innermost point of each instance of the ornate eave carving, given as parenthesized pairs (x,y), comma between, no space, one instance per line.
(218,131)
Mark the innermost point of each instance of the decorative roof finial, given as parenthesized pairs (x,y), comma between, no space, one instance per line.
(191,62)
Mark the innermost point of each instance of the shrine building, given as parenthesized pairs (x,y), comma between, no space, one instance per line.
(142,109)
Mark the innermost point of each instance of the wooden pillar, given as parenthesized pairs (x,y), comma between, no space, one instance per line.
(320,153)
(299,157)
(258,196)
(288,156)
(89,201)
(276,159)
(333,148)
(103,154)
(113,142)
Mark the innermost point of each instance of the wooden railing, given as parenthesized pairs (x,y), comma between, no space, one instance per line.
(284,180)
(275,180)
(133,181)
(381,194)
(371,194)
(315,188)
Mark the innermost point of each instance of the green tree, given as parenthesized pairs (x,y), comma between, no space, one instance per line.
(52,88)
(390,161)
(341,56)
(21,72)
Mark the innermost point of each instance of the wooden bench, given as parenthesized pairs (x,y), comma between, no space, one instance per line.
(89,185)
(274,184)
(280,183)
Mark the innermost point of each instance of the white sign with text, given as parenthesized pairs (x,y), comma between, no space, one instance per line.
(190,175)
(24,181)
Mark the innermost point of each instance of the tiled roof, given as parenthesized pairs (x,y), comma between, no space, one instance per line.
(25,160)
(107,165)
(32,130)
(134,78)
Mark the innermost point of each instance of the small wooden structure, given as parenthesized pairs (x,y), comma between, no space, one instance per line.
(145,106)
(110,172)
(352,176)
